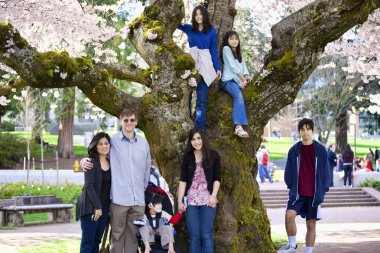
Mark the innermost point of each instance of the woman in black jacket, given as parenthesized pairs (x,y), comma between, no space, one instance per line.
(348,159)
(198,189)
(94,201)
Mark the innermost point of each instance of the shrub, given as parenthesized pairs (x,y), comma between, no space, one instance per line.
(370,182)
(67,192)
(14,148)
(7,126)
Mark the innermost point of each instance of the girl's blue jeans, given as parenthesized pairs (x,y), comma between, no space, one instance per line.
(200,223)
(239,114)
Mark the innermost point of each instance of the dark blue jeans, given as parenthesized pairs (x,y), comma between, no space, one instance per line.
(201,106)
(239,114)
(92,231)
(200,223)
(347,173)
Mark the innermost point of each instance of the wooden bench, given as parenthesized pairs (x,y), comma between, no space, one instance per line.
(11,210)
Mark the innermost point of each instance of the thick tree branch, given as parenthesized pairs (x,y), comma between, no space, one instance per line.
(297,42)
(17,83)
(128,73)
(59,70)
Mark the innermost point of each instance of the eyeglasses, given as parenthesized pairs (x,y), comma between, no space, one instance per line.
(129,120)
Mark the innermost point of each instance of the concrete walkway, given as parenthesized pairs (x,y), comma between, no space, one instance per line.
(341,230)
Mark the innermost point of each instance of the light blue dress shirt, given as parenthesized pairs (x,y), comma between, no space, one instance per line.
(232,67)
(131,162)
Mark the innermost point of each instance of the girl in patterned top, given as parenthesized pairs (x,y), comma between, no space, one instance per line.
(198,189)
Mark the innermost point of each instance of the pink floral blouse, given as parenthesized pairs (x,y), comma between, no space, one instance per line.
(198,195)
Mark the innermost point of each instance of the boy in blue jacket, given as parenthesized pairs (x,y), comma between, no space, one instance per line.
(307,176)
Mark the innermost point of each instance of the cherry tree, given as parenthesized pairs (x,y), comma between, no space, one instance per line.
(297,44)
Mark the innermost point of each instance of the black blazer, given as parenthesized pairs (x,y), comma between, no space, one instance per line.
(90,198)
(189,166)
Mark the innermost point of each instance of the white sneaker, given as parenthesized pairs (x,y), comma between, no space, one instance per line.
(287,249)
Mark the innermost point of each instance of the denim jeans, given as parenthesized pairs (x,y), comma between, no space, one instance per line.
(200,223)
(347,173)
(92,231)
(239,114)
(263,170)
(201,105)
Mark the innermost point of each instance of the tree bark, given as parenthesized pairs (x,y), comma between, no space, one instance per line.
(241,223)
(66,125)
(341,131)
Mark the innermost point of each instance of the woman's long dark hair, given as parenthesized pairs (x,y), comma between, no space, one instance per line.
(236,54)
(347,147)
(206,19)
(347,153)
(92,148)
(206,161)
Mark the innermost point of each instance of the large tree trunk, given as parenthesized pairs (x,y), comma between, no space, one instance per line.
(66,125)
(341,131)
(241,223)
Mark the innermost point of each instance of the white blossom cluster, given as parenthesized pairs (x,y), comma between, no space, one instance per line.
(92,111)
(151,36)
(4,101)
(56,24)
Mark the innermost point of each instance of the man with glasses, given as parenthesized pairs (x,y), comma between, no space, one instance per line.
(130,162)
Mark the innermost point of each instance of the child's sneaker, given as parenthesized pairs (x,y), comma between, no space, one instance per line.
(287,249)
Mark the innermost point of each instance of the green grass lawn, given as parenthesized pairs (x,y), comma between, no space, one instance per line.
(35,217)
(65,246)
(43,217)
(52,139)
(278,148)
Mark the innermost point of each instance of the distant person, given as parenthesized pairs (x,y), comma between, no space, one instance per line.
(307,176)
(340,162)
(368,165)
(348,159)
(377,159)
(294,136)
(93,206)
(263,160)
(331,156)
(371,154)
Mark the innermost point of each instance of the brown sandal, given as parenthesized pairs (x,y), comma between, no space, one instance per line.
(241,132)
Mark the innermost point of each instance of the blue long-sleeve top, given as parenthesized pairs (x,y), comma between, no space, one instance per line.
(232,67)
(202,41)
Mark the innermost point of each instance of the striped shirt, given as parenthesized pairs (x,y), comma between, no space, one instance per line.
(131,161)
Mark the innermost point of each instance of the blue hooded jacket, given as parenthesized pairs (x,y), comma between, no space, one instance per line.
(322,172)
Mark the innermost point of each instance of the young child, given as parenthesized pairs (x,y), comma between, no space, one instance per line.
(235,78)
(158,223)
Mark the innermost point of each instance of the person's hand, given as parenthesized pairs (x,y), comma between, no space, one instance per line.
(218,74)
(147,249)
(181,207)
(243,84)
(97,214)
(212,201)
(247,78)
(171,248)
(86,164)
